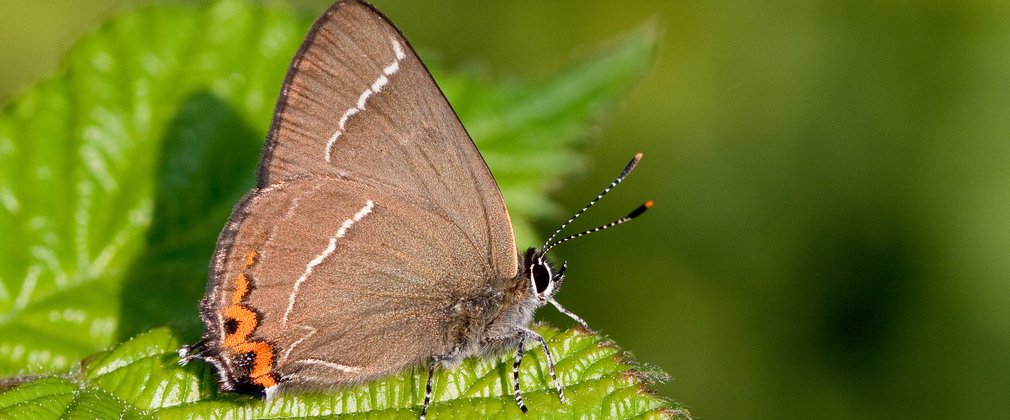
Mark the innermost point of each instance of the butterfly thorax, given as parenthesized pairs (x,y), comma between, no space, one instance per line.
(487,323)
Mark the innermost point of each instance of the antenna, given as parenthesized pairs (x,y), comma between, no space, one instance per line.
(641,209)
(634,213)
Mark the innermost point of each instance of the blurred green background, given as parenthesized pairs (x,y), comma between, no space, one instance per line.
(831,236)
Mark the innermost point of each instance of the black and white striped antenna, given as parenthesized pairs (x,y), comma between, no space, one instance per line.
(551,243)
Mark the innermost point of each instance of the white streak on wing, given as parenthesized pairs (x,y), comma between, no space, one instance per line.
(348,114)
(357,216)
(375,87)
(331,365)
(287,352)
(330,247)
(297,201)
(397,49)
(364,97)
(391,69)
(380,83)
(308,270)
(329,144)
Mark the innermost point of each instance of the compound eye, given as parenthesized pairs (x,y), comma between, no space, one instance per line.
(542,277)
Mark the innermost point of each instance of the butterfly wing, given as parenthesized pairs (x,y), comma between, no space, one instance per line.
(348,281)
(357,101)
(374,214)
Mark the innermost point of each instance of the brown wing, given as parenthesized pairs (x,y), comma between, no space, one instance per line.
(358,102)
(350,281)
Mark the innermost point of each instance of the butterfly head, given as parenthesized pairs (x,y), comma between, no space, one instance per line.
(544,281)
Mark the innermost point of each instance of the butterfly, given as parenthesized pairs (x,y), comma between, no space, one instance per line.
(376,238)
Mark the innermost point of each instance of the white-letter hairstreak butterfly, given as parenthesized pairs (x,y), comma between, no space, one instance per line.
(376,239)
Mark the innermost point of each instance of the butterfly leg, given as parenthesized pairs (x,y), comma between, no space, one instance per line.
(520,335)
(570,314)
(435,361)
(515,375)
(550,360)
(427,387)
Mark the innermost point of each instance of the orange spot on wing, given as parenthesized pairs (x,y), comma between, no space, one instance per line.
(247,322)
(262,364)
(266,381)
(241,288)
(250,259)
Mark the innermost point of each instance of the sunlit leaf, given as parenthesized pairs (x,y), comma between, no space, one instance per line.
(141,377)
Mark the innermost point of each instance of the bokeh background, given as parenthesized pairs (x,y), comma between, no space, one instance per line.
(831,236)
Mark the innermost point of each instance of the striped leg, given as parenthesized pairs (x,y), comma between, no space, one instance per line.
(571,315)
(427,387)
(435,361)
(515,375)
(520,335)
(550,362)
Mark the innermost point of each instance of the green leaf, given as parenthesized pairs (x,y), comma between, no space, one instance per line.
(117,173)
(52,398)
(141,377)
